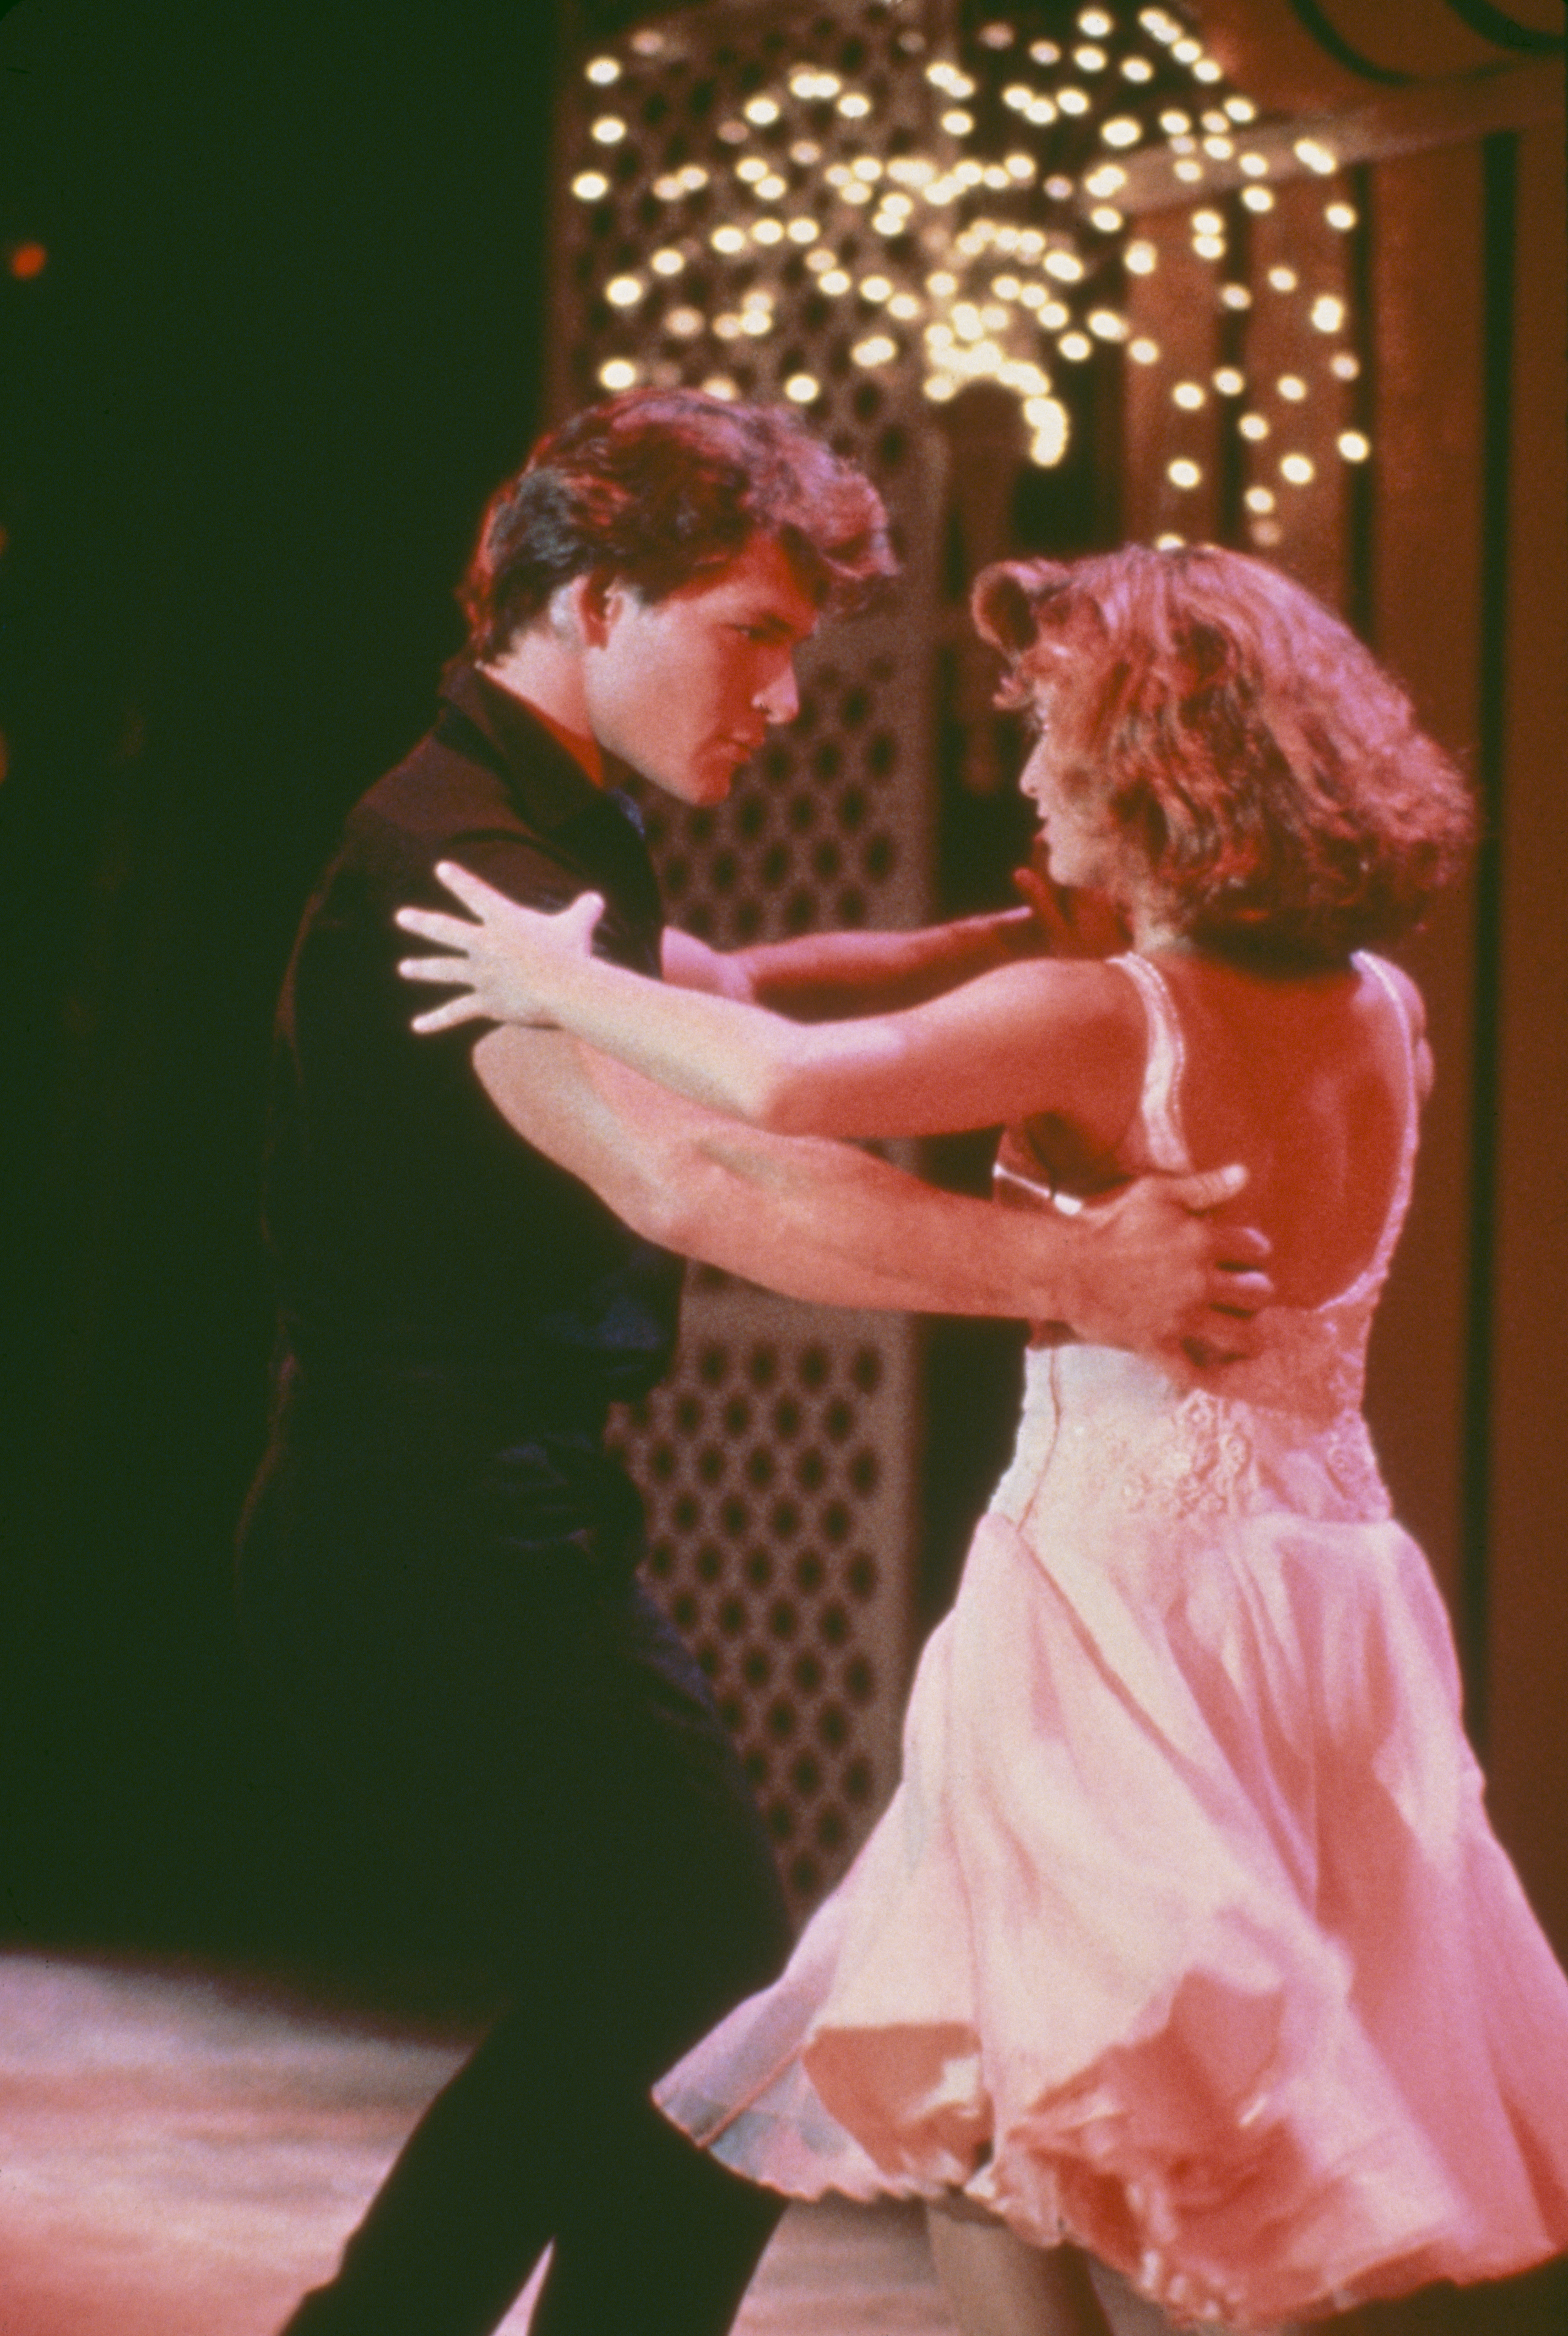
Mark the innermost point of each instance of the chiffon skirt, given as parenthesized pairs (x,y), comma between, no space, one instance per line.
(1185,1935)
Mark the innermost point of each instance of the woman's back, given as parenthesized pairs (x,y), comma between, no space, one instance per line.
(1313,1084)
(1311,1081)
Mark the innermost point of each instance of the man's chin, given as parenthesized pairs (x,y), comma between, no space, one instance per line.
(712,785)
(699,788)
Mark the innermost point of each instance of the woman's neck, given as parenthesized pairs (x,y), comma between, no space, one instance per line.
(1153,932)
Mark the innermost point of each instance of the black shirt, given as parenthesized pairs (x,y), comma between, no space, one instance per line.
(407,1224)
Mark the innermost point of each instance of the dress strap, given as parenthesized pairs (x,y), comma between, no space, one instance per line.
(1371,1279)
(1160,1102)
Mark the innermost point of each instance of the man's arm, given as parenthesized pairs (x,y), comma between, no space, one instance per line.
(832,976)
(835,977)
(830,1223)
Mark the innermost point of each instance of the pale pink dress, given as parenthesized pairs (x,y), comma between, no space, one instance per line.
(1184,1935)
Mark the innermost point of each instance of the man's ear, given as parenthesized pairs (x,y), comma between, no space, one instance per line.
(582,611)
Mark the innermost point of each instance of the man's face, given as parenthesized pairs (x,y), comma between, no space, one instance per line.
(685,688)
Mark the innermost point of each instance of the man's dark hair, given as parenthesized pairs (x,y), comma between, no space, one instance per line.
(658,486)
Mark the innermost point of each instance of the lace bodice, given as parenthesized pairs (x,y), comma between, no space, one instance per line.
(1281,1429)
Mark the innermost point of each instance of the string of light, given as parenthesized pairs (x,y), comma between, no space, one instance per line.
(983,266)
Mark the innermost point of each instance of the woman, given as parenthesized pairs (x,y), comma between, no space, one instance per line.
(1184,1940)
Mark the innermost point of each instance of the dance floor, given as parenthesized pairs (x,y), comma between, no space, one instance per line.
(180,2157)
(181,2154)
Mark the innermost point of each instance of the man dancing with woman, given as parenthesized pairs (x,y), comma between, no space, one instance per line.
(1184,1944)
(438,1563)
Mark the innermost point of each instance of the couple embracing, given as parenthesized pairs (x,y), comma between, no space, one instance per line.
(1183,1950)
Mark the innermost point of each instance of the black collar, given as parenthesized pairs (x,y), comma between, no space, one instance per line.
(490,725)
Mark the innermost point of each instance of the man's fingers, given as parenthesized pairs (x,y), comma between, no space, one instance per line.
(1237,1247)
(1207,1352)
(1076,923)
(1207,1191)
(1033,888)
(1238,1293)
(1046,900)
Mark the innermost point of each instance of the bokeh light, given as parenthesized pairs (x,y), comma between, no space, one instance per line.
(997,262)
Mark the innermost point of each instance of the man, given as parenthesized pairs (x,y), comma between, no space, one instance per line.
(438,1559)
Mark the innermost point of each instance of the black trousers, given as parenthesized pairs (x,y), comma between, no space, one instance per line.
(443,1610)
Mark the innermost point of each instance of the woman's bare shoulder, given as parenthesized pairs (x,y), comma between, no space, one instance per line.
(1384,976)
(1404,988)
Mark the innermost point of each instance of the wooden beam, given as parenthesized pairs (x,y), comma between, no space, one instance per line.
(1402,121)
(1527,1535)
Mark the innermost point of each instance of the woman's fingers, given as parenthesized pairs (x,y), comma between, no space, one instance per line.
(470,890)
(502,964)
(466,1008)
(578,920)
(492,906)
(433,925)
(436,968)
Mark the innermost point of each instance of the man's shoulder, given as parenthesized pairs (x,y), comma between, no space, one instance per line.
(436,791)
(436,803)
(514,808)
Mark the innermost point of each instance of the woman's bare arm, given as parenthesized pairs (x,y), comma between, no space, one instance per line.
(1033,1036)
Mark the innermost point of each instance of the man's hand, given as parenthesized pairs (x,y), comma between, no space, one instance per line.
(690,964)
(1157,1275)
(1070,923)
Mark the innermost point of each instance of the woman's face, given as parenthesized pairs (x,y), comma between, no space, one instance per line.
(1085,848)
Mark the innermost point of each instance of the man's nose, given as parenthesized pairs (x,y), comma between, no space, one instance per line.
(779,698)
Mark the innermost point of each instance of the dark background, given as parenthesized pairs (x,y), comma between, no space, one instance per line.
(288,337)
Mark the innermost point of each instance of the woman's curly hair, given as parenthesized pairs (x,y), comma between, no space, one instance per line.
(658,486)
(1269,771)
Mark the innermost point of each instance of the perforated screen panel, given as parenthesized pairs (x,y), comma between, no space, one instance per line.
(777,1469)
(778,1462)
